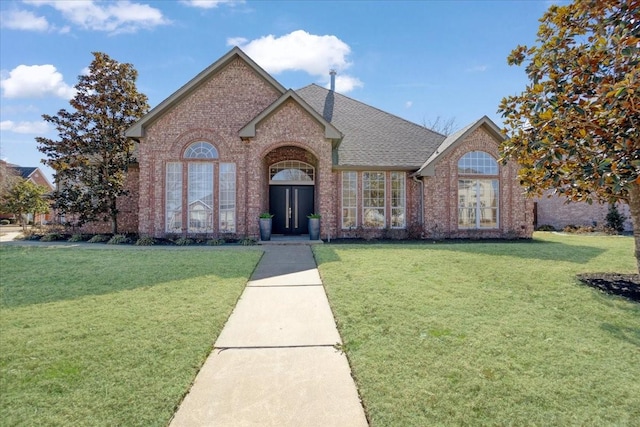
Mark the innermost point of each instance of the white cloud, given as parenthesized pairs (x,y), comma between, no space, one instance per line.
(478,69)
(408,104)
(113,17)
(210,4)
(23,20)
(345,83)
(35,81)
(24,127)
(300,51)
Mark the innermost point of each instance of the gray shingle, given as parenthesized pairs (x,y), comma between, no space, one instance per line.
(372,137)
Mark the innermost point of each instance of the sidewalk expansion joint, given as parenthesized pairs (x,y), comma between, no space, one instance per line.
(336,345)
(284,286)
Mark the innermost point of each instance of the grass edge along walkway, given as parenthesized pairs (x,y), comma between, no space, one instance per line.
(110,337)
(487,333)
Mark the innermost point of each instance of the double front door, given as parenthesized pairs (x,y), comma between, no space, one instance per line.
(290,205)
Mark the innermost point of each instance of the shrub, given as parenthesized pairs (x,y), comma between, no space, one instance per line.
(248,241)
(615,220)
(184,241)
(77,238)
(119,239)
(51,237)
(145,241)
(546,227)
(215,242)
(99,238)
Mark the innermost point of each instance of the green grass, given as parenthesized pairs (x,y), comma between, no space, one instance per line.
(487,333)
(109,336)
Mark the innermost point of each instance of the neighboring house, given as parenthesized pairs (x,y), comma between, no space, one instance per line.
(555,211)
(35,175)
(233,142)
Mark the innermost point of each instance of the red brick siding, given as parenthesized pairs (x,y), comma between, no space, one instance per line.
(556,212)
(441,196)
(214,112)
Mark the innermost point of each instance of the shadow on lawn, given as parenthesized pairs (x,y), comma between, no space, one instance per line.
(41,275)
(526,249)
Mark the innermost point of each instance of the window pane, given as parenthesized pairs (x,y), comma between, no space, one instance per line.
(173,198)
(398,200)
(291,170)
(478,203)
(200,197)
(227,197)
(373,197)
(201,150)
(477,163)
(349,199)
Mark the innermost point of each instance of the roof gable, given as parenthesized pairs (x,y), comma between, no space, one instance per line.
(138,128)
(455,139)
(330,131)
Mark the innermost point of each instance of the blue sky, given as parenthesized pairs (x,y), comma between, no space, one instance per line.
(419,60)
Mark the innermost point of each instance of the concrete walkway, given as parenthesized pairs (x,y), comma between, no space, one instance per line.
(275,362)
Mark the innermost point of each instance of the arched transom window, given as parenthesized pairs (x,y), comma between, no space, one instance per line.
(201,150)
(478,191)
(292,171)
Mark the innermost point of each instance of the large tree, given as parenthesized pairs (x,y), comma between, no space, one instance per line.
(576,126)
(92,155)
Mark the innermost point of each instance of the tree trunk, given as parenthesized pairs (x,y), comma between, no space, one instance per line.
(634,207)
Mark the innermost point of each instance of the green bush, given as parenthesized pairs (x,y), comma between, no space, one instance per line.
(145,241)
(546,227)
(51,237)
(215,242)
(119,239)
(77,238)
(99,238)
(184,241)
(248,241)
(615,220)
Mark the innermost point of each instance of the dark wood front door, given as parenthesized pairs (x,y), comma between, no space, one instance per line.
(290,205)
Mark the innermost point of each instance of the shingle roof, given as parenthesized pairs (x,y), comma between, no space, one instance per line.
(372,137)
(25,172)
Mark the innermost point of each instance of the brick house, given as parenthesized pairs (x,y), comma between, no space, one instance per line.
(233,142)
(34,175)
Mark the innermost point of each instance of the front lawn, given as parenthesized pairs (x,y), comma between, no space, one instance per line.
(109,336)
(487,333)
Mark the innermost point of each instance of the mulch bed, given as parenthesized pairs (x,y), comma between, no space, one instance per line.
(626,285)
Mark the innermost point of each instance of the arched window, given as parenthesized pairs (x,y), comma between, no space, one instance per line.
(292,171)
(201,150)
(478,191)
(202,201)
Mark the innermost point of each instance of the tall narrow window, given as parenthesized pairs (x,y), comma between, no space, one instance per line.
(227,197)
(398,200)
(173,198)
(200,197)
(478,191)
(349,199)
(373,199)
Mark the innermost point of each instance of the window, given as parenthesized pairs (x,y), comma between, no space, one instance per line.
(227,197)
(200,197)
(373,196)
(190,190)
(398,200)
(201,150)
(292,171)
(478,191)
(173,200)
(349,199)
